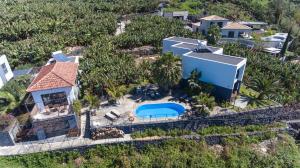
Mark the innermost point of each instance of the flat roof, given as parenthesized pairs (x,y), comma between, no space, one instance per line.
(185,40)
(194,46)
(217,58)
(253,23)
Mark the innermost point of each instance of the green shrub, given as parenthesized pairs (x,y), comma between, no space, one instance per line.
(77,106)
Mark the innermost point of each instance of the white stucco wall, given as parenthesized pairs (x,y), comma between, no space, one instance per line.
(5,77)
(219,74)
(225,32)
(71,92)
(205,24)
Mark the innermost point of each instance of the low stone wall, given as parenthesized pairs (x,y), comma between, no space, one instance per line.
(259,116)
(8,136)
(56,126)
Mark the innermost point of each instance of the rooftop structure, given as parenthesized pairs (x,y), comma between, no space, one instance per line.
(225,72)
(59,56)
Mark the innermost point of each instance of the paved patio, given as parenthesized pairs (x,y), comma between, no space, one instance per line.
(126,107)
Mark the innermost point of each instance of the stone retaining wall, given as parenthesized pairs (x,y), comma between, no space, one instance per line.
(259,116)
(56,126)
(8,136)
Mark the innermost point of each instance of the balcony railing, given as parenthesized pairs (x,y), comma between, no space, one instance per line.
(56,111)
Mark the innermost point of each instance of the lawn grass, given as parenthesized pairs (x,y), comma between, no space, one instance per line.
(254,103)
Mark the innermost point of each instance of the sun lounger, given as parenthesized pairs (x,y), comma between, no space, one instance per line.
(115,113)
(110,116)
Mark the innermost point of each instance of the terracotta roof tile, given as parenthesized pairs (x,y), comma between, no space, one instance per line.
(234,25)
(213,17)
(59,74)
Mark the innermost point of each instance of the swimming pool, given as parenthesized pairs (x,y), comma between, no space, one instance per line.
(160,110)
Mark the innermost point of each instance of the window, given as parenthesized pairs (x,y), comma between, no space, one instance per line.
(231,34)
(3,66)
(59,98)
(220,24)
(240,34)
(237,73)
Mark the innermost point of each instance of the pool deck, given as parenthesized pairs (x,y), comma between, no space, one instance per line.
(126,107)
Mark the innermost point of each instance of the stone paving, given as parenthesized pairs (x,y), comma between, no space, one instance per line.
(126,107)
(43,146)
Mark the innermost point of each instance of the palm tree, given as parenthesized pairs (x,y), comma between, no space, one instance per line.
(265,87)
(194,83)
(213,34)
(115,92)
(92,100)
(7,102)
(167,71)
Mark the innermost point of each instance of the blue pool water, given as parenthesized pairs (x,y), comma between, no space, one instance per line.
(161,110)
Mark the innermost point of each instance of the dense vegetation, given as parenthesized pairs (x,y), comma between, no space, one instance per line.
(151,30)
(269,76)
(104,66)
(13,93)
(206,131)
(31,30)
(175,153)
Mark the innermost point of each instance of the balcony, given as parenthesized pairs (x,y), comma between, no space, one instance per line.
(51,112)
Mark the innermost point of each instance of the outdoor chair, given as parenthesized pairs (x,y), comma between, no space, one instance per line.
(116,113)
(110,116)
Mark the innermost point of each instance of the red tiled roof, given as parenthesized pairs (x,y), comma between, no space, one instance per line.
(56,75)
(234,25)
(213,17)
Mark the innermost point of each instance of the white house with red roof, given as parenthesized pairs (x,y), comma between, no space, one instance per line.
(54,86)
(228,29)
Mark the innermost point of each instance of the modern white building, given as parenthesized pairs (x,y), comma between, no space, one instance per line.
(223,71)
(276,41)
(6,73)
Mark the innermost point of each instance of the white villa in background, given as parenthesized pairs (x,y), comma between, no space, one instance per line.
(5,71)
(241,32)
(223,71)
(228,29)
